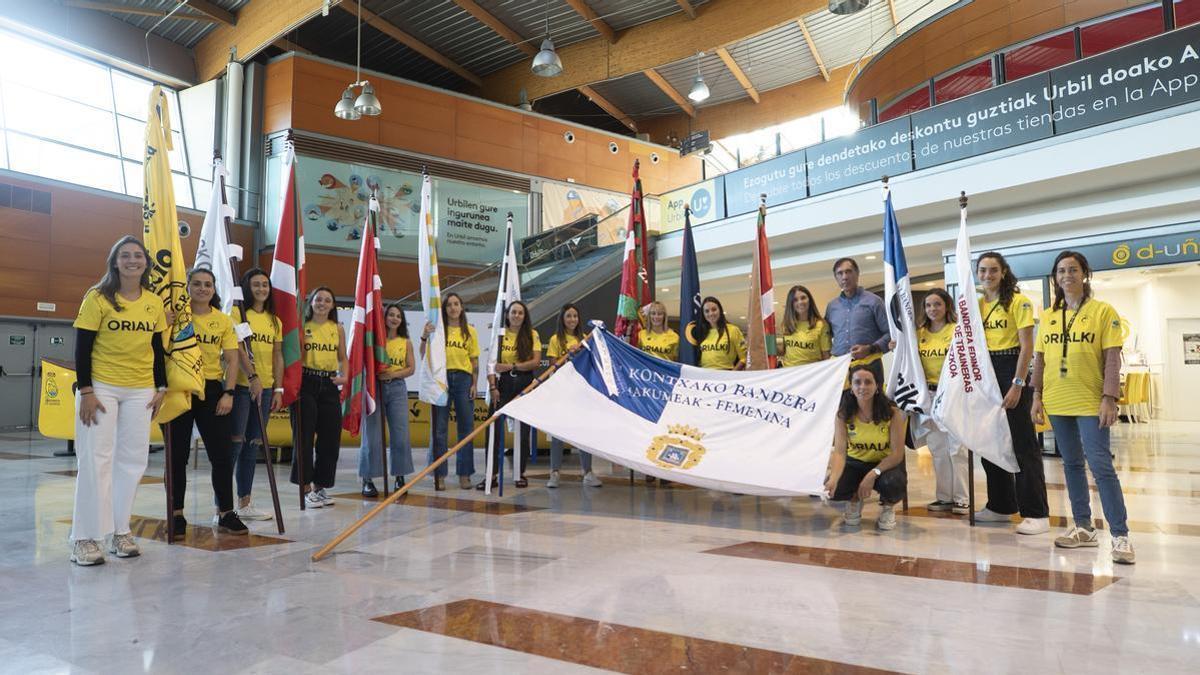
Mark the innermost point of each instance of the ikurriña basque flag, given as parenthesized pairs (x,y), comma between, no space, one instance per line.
(766,432)
(906,379)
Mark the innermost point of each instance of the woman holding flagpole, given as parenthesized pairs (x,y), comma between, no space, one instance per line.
(320,404)
(256,385)
(520,355)
(722,345)
(658,338)
(568,338)
(1008,328)
(122,376)
(1076,381)
(218,343)
(868,451)
(393,403)
(949,457)
(806,336)
(462,373)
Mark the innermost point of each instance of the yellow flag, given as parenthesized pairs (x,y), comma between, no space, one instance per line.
(168,275)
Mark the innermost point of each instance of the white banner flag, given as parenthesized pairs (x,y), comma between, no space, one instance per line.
(765,432)
(435,387)
(906,385)
(214,251)
(508,290)
(968,403)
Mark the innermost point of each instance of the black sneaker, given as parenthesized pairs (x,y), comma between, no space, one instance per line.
(940,505)
(231,524)
(180,527)
(368,489)
(399,483)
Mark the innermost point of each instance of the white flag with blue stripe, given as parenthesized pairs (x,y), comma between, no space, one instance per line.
(906,384)
(763,432)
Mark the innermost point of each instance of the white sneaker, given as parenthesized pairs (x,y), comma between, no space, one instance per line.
(1122,551)
(1077,537)
(553,482)
(986,515)
(960,508)
(590,480)
(86,552)
(852,515)
(123,546)
(887,518)
(325,498)
(1034,526)
(248,512)
(313,500)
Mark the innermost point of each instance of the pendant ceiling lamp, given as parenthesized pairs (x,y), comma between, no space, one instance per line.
(699,90)
(547,63)
(846,7)
(349,107)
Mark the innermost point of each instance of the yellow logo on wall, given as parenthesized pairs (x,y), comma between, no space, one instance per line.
(1120,254)
(679,448)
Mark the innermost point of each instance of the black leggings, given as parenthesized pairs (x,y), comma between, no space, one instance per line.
(1024,492)
(320,413)
(512,384)
(216,431)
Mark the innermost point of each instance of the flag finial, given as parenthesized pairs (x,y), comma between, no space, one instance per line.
(962,200)
(687,208)
(762,198)
(884,179)
(424,171)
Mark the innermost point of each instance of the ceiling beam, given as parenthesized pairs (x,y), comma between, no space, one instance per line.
(737,73)
(687,8)
(488,19)
(670,91)
(259,24)
(222,15)
(391,30)
(583,9)
(608,107)
(892,9)
(649,45)
(137,11)
(812,47)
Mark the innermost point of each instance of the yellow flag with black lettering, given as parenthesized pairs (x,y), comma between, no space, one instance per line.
(168,275)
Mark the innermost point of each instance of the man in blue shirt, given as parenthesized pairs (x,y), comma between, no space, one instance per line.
(857,320)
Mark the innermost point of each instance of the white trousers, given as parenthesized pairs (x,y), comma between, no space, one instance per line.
(112,455)
(949,465)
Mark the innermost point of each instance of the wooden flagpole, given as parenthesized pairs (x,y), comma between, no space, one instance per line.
(297,428)
(462,443)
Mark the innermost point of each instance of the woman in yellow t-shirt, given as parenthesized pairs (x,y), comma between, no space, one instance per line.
(1076,381)
(210,415)
(121,376)
(520,354)
(722,346)
(868,451)
(659,339)
(949,458)
(256,395)
(806,337)
(1008,327)
(392,403)
(320,404)
(568,338)
(462,373)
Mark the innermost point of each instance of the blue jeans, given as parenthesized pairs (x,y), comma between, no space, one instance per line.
(463,400)
(1079,437)
(556,453)
(393,402)
(246,426)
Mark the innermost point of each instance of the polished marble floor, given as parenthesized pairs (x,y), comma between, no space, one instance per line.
(623,578)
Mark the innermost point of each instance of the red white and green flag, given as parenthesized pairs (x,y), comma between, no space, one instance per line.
(638,289)
(368,334)
(287,281)
(760,345)
(629,325)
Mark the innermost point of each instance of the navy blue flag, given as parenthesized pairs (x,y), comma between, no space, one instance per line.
(689,294)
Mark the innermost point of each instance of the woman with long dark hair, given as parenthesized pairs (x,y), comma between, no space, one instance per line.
(949,457)
(722,345)
(868,451)
(462,375)
(520,355)
(393,402)
(210,415)
(1076,381)
(568,338)
(658,338)
(320,405)
(121,376)
(256,395)
(1008,327)
(806,337)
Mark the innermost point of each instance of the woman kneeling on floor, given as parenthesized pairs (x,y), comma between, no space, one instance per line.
(868,451)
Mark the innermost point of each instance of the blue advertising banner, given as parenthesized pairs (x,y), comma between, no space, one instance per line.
(706,199)
(862,157)
(783,179)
